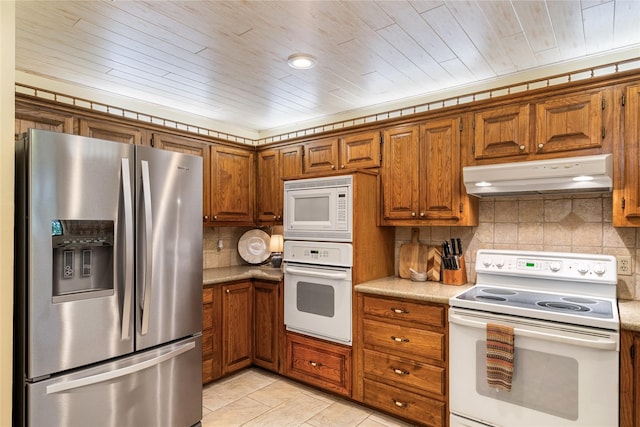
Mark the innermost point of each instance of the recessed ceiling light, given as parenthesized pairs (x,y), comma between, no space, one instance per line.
(301,61)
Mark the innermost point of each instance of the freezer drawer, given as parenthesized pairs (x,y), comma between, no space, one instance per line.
(159,387)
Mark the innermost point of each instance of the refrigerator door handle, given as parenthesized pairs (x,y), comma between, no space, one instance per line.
(148,224)
(107,376)
(128,243)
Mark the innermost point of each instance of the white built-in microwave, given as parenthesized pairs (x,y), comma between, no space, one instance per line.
(319,209)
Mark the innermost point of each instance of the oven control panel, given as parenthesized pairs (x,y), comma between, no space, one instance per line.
(562,266)
(319,253)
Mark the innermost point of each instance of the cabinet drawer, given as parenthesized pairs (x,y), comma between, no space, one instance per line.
(405,310)
(319,363)
(405,373)
(207,295)
(403,341)
(405,404)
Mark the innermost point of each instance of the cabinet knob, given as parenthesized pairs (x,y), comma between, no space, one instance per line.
(228,290)
(332,167)
(215,217)
(413,214)
(421,214)
(342,166)
(275,217)
(541,146)
(522,147)
(205,218)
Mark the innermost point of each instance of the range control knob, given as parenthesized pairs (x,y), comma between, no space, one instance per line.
(555,266)
(500,263)
(583,268)
(599,269)
(486,262)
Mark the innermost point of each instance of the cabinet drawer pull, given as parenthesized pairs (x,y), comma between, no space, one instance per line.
(522,147)
(399,339)
(400,404)
(399,310)
(315,364)
(399,371)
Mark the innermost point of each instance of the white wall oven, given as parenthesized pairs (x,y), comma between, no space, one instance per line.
(317,289)
(535,342)
(319,209)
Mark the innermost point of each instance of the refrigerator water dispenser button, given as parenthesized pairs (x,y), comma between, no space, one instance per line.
(67,264)
(86,262)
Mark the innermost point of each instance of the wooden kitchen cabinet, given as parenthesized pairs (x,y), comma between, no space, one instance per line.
(320,363)
(237,326)
(346,153)
(571,124)
(268,324)
(502,131)
(626,193)
(232,186)
(401,364)
(29,117)
(274,166)
(194,147)
(113,131)
(421,175)
(211,338)
(629,379)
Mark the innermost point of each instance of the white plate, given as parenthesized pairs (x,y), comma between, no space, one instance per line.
(253,246)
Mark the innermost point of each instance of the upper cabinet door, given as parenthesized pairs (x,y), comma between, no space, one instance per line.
(571,122)
(360,151)
(626,194)
(28,117)
(400,173)
(440,169)
(232,185)
(502,131)
(269,194)
(321,155)
(111,131)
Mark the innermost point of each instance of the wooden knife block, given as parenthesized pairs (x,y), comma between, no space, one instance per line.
(455,277)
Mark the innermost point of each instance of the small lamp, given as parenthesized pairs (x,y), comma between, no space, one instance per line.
(276,245)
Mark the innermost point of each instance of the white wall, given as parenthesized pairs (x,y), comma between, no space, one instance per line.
(7,121)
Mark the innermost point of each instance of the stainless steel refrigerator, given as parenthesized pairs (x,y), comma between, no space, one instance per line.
(108,284)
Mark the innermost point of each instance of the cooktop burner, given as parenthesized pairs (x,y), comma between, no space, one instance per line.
(577,289)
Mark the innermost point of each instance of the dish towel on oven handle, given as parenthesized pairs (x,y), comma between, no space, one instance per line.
(499,356)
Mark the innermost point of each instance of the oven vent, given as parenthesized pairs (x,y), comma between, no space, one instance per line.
(567,175)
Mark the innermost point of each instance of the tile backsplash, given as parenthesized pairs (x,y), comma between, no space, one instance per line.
(577,223)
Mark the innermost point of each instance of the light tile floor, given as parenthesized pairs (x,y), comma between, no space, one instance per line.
(254,397)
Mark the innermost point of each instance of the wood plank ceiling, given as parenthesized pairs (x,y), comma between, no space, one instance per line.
(227,60)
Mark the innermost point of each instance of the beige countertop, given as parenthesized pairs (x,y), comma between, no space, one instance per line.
(240,272)
(393,286)
(629,314)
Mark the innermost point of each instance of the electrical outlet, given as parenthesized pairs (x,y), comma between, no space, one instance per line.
(624,265)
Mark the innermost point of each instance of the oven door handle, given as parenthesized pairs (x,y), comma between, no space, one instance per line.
(599,343)
(325,274)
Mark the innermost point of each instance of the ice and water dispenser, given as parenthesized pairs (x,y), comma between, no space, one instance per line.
(82,259)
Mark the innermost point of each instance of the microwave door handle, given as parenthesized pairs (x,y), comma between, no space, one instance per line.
(316,273)
(127,247)
(599,343)
(148,234)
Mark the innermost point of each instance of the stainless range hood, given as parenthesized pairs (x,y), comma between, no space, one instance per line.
(568,175)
